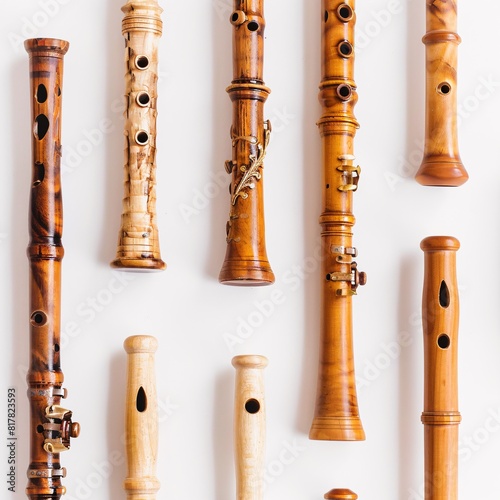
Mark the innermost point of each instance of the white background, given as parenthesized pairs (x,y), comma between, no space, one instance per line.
(185,307)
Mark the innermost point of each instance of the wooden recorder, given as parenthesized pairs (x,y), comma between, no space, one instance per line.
(51,426)
(246,260)
(440,311)
(138,241)
(249,426)
(337,415)
(441,165)
(141,419)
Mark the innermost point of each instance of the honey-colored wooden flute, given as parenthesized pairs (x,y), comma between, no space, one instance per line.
(337,414)
(341,494)
(441,165)
(249,426)
(141,419)
(138,241)
(246,260)
(51,426)
(440,314)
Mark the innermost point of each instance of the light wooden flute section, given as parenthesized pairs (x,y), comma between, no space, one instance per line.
(336,414)
(441,165)
(138,240)
(440,314)
(249,426)
(246,262)
(141,419)
(341,494)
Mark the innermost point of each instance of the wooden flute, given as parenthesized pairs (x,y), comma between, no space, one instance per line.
(141,419)
(441,165)
(51,426)
(440,314)
(341,494)
(138,240)
(246,261)
(337,414)
(249,426)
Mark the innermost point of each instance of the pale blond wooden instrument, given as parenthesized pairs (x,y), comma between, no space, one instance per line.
(441,165)
(141,419)
(341,494)
(138,241)
(336,415)
(440,314)
(249,426)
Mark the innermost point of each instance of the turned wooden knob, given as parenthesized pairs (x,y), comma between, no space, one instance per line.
(74,431)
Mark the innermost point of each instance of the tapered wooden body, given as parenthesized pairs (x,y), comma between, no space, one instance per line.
(337,415)
(50,424)
(246,260)
(141,419)
(249,426)
(440,311)
(341,494)
(138,242)
(441,165)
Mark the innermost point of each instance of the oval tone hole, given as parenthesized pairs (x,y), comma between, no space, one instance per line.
(444,295)
(238,17)
(56,348)
(326,16)
(344,91)
(141,401)
(253,26)
(444,341)
(444,88)
(252,406)
(41,93)
(345,12)
(38,174)
(141,62)
(39,429)
(143,99)
(38,318)
(345,49)
(41,126)
(142,138)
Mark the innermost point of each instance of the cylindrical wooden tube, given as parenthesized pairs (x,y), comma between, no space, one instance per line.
(246,260)
(337,415)
(249,426)
(50,424)
(440,312)
(141,419)
(441,165)
(341,494)
(138,241)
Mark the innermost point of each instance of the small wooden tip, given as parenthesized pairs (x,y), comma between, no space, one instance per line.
(442,174)
(341,494)
(138,265)
(55,45)
(439,243)
(140,343)
(249,361)
(337,429)
(246,273)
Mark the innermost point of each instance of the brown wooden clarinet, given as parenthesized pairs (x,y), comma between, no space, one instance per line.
(50,424)
(341,494)
(138,241)
(337,415)
(440,311)
(441,165)
(246,260)
(141,419)
(249,426)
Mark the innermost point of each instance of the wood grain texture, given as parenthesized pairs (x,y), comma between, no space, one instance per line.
(341,494)
(249,426)
(141,419)
(138,240)
(50,425)
(441,165)
(337,414)
(440,315)
(246,261)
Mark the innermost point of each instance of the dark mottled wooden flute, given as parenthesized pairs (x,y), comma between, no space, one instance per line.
(440,314)
(246,260)
(337,415)
(441,165)
(138,241)
(51,426)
